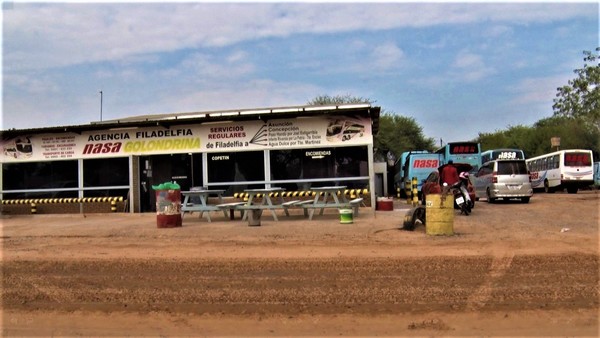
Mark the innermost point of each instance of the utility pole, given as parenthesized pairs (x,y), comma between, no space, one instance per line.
(100,106)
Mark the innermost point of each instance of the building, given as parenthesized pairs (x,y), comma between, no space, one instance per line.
(291,147)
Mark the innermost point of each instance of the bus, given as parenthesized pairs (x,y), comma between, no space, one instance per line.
(462,152)
(502,154)
(564,169)
(415,163)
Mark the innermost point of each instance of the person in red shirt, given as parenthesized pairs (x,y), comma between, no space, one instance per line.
(449,174)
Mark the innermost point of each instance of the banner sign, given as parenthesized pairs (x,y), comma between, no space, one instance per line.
(218,137)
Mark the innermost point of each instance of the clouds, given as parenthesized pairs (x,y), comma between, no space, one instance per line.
(66,34)
(470,67)
(425,59)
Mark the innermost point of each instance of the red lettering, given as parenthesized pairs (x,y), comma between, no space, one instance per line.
(102,148)
(425,164)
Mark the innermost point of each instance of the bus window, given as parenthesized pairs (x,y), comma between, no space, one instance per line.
(577,159)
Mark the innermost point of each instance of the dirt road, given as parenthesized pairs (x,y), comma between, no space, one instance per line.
(510,269)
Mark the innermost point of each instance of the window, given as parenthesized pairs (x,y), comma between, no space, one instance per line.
(40,175)
(578,159)
(104,173)
(512,168)
(319,163)
(236,167)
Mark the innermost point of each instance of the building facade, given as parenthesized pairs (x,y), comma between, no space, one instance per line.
(295,148)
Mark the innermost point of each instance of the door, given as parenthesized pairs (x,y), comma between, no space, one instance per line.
(157,169)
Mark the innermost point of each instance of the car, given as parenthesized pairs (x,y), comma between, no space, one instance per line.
(504,179)
(431,185)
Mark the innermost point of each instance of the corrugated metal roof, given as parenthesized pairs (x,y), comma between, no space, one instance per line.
(206,116)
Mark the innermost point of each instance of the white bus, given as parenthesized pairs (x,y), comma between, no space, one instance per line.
(502,154)
(570,169)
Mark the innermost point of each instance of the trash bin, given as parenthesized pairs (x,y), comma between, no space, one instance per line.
(168,205)
(439,212)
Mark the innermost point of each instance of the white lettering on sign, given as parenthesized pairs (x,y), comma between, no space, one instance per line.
(318,153)
(507,155)
(220,158)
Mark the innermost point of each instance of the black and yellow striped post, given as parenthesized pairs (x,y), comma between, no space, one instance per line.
(33,208)
(113,205)
(415,192)
(407,191)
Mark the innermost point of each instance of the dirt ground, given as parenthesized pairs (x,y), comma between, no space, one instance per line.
(511,269)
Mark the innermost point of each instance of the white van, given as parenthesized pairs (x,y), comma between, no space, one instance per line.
(503,179)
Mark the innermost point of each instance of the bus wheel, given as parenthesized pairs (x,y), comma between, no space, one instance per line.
(547,188)
(572,190)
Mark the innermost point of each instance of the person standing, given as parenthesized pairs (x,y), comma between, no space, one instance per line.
(449,174)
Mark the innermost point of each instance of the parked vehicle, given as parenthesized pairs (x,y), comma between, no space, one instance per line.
(432,184)
(462,200)
(416,163)
(571,169)
(504,179)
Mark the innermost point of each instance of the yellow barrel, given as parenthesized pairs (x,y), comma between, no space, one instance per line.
(439,214)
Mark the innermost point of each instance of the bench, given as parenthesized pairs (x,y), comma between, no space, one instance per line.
(231,207)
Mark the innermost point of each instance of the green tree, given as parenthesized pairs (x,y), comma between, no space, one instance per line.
(399,133)
(580,98)
(337,99)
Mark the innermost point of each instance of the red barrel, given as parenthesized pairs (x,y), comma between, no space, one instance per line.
(168,208)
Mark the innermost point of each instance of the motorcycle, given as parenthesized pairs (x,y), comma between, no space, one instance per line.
(461,194)
(462,199)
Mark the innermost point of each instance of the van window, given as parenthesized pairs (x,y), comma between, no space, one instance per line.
(512,168)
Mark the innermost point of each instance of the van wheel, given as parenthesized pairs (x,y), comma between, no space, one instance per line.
(489,199)
(525,200)
(572,190)
(547,188)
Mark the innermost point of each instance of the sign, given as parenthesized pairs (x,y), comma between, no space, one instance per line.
(232,136)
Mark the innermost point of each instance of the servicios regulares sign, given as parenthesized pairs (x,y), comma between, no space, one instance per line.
(232,136)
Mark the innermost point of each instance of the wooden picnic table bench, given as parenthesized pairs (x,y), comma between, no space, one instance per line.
(202,195)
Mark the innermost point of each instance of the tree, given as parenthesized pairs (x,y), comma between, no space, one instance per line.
(581,97)
(338,99)
(399,133)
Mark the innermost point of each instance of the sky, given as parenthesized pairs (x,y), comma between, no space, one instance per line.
(458,69)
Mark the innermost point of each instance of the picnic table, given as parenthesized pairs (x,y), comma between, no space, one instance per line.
(263,202)
(197,200)
(329,197)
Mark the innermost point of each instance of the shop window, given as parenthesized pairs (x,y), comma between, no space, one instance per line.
(319,163)
(236,167)
(48,176)
(106,172)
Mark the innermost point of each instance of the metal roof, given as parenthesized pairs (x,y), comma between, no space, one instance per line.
(167,120)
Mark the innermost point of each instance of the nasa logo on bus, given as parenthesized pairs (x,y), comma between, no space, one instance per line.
(425,164)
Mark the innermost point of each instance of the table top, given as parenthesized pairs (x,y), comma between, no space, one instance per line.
(264,190)
(191,192)
(337,187)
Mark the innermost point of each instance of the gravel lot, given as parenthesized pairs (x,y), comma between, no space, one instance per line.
(510,269)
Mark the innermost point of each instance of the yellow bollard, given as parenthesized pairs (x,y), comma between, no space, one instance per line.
(415,192)
(407,191)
